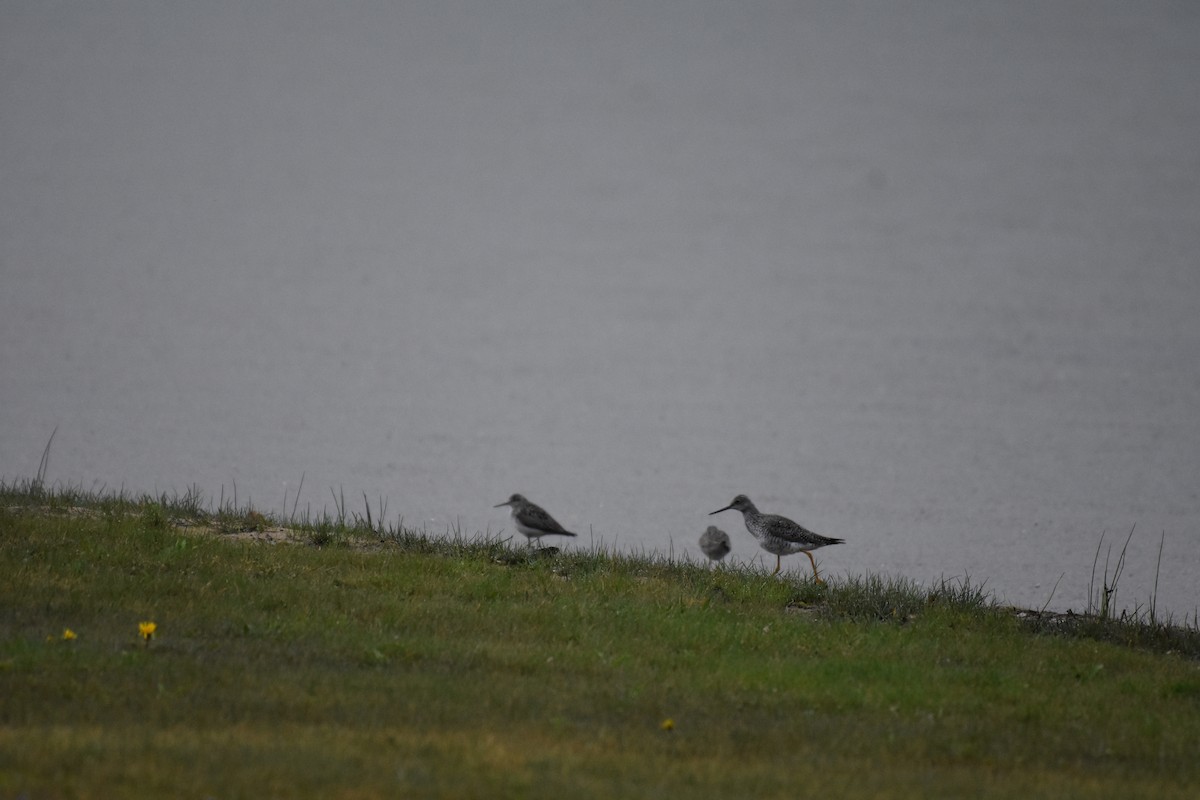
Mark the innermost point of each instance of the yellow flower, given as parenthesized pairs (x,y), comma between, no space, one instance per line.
(668,724)
(147,629)
(68,634)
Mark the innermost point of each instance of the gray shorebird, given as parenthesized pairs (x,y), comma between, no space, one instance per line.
(714,543)
(779,535)
(532,520)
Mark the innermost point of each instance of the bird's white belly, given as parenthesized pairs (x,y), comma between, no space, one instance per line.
(528,531)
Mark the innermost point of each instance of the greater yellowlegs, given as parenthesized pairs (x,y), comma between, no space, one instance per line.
(779,535)
(532,520)
(714,542)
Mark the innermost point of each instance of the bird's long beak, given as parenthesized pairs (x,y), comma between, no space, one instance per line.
(719,510)
(498,505)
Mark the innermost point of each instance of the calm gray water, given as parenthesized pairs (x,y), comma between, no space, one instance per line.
(919,275)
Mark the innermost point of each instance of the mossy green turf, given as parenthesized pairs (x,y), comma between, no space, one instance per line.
(457,670)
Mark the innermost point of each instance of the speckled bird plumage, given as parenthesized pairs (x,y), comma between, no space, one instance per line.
(714,543)
(532,520)
(778,535)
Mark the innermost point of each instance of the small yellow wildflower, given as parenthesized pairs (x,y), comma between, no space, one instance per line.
(668,724)
(147,629)
(69,635)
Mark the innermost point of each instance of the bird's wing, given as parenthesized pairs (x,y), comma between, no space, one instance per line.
(538,518)
(791,531)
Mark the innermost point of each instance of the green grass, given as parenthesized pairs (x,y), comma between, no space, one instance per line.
(388,664)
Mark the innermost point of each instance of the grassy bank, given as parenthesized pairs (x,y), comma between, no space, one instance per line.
(360,662)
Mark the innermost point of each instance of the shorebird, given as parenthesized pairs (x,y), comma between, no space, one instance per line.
(779,535)
(532,520)
(714,542)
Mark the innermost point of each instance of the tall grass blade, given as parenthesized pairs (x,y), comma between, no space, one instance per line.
(40,481)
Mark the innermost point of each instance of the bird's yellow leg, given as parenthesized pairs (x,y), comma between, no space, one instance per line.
(778,564)
(816,577)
